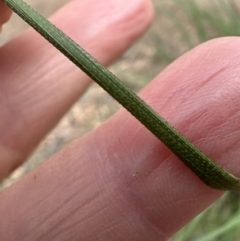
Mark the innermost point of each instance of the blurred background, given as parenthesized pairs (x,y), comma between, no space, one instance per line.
(179,25)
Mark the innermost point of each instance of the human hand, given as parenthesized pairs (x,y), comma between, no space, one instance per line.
(38,84)
(119,182)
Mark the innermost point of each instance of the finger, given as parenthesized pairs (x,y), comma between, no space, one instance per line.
(119,182)
(5,14)
(38,84)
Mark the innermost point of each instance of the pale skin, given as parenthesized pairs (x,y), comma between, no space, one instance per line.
(114,183)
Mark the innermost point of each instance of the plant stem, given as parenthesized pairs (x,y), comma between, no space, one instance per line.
(208,171)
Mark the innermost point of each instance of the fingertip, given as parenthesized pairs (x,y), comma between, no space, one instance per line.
(5,13)
(125,24)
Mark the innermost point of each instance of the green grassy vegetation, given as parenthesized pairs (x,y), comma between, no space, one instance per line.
(188,23)
(218,223)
